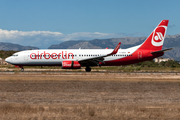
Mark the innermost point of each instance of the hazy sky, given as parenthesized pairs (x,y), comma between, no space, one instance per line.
(44,22)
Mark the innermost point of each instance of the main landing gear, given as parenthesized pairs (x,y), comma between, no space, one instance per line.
(88,69)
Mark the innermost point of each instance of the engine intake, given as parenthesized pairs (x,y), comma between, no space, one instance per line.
(71,65)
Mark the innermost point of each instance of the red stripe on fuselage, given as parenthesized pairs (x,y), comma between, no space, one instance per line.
(135,58)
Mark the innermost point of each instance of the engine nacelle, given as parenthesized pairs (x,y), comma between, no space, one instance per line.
(71,65)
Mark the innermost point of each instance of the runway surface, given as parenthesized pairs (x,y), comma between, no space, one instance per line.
(83,72)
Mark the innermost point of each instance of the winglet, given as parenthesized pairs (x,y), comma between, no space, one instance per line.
(116,49)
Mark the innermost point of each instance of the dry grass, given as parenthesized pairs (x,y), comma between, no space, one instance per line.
(88,111)
(91,96)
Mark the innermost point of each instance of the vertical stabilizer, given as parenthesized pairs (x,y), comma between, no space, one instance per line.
(156,38)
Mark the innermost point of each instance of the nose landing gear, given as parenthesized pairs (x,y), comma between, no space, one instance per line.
(22,69)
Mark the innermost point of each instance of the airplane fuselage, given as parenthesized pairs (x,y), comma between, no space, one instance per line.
(55,57)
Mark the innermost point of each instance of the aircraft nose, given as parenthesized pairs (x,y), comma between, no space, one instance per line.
(7,60)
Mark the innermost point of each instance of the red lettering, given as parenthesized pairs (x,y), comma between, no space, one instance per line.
(38,54)
(71,55)
(54,56)
(62,55)
(32,55)
(46,54)
(41,55)
(65,54)
(59,55)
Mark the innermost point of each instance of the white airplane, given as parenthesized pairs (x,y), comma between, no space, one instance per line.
(77,58)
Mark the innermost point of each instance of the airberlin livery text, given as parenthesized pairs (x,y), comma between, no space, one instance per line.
(46,55)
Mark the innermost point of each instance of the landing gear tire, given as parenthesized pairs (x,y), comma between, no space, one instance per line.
(88,69)
(22,69)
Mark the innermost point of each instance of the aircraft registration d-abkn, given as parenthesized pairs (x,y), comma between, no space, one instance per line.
(77,58)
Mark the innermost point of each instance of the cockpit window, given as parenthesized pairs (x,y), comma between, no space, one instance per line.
(15,55)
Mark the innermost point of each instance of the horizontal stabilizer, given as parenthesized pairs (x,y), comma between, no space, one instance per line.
(161,51)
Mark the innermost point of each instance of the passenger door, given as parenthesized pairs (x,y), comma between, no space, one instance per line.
(139,55)
(26,56)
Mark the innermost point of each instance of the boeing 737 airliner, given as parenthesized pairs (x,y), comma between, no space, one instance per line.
(76,58)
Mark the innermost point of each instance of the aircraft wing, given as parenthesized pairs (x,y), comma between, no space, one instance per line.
(161,51)
(96,60)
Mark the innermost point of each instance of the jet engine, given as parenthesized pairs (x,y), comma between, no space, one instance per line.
(71,65)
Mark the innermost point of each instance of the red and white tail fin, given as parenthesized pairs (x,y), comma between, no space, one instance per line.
(156,38)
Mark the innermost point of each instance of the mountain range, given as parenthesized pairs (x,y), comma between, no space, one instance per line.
(15,47)
(171,41)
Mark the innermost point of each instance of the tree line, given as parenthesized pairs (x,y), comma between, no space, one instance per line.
(152,63)
(5,54)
